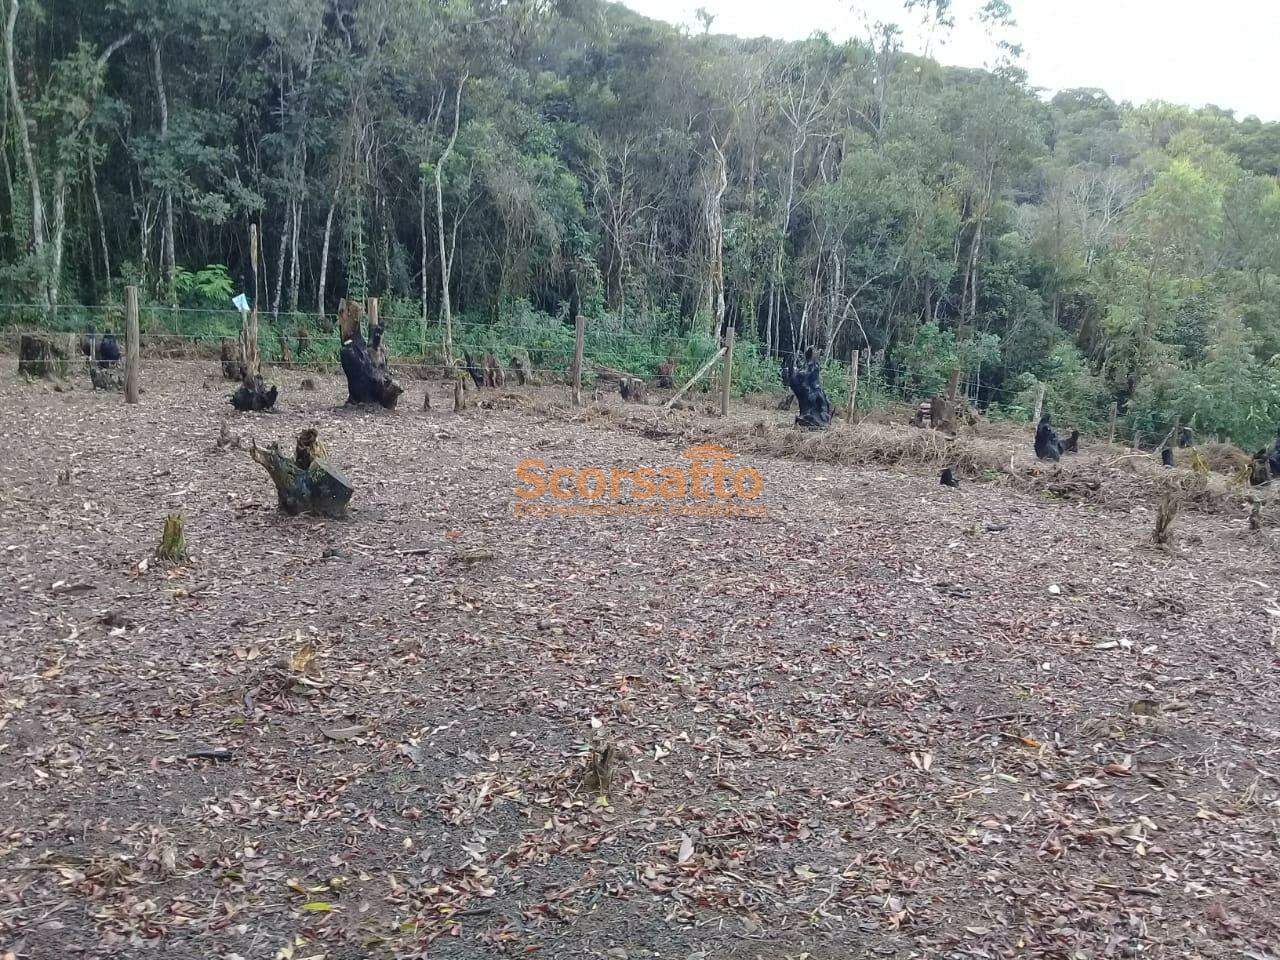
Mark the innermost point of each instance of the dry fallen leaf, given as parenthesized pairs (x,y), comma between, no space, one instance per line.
(343,734)
(686,850)
(303,660)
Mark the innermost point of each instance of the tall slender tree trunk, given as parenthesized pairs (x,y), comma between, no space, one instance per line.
(422,230)
(295,266)
(445,265)
(286,228)
(768,325)
(168,259)
(58,240)
(39,230)
(102,223)
(386,243)
(324,249)
(969,295)
(293,224)
(4,147)
(715,238)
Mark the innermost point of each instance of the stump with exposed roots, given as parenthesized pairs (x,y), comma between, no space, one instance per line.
(307,483)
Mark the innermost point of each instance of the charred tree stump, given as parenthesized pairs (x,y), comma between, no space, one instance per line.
(42,357)
(308,483)
(474,370)
(806,384)
(365,362)
(254,396)
(102,352)
(633,390)
(365,366)
(1047,445)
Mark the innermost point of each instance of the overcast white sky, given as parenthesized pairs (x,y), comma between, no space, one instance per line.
(1184,51)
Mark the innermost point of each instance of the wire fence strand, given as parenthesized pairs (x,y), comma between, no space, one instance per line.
(543,345)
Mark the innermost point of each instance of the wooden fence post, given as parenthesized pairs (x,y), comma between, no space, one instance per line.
(1039,410)
(130,344)
(856,361)
(1111,433)
(726,380)
(249,353)
(371,307)
(580,327)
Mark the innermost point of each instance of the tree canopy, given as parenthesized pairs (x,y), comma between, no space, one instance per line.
(478,155)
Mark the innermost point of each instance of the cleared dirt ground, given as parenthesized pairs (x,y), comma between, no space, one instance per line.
(887,720)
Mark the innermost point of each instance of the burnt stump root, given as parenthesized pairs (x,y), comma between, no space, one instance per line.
(253,395)
(307,483)
(633,390)
(474,370)
(805,382)
(106,367)
(1047,445)
(365,366)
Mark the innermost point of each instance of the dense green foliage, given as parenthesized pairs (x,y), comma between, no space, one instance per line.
(845,195)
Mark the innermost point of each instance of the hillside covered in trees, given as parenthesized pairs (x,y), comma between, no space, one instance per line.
(513,160)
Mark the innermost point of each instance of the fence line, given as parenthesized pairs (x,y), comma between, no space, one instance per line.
(411,344)
(893,381)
